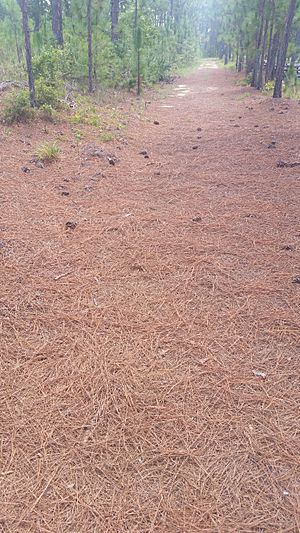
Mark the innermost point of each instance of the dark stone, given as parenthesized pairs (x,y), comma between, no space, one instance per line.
(71,225)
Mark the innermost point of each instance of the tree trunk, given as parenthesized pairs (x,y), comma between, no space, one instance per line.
(90,44)
(57,21)
(24,9)
(271,66)
(283,49)
(270,40)
(260,77)
(261,15)
(114,12)
(226,56)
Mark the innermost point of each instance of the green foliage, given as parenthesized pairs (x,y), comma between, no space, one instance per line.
(17,108)
(52,65)
(47,113)
(269,86)
(291,85)
(48,152)
(50,68)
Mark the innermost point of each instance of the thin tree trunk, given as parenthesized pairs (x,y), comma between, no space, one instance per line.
(25,21)
(19,52)
(283,49)
(114,12)
(272,57)
(226,59)
(270,39)
(261,15)
(260,77)
(57,21)
(90,44)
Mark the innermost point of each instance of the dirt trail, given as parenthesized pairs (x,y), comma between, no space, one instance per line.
(150,351)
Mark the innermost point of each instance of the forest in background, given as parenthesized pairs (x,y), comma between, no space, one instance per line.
(94,44)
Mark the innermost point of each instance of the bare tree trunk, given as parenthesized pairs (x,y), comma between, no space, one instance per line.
(272,4)
(261,15)
(57,21)
(115,10)
(25,21)
(90,44)
(273,51)
(283,49)
(136,12)
(260,77)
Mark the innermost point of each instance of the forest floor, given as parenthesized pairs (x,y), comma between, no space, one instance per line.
(150,319)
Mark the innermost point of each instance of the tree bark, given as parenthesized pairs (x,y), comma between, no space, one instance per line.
(271,66)
(261,15)
(90,44)
(272,2)
(283,48)
(57,21)
(260,77)
(114,12)
(25,22)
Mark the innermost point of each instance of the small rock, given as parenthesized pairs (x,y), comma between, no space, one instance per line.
(199,129)
(25,169)
(156,173)
(39,164)
(156,122)
(197,219)
(297,280)
(195,147)
(71,225)
(236,126)
(111,160)
(289,248)
(97,176)
(281,113)
(65,193)
(271,146)
(284,164)
(147,156)
(143,152)
(256,126)
(260,374)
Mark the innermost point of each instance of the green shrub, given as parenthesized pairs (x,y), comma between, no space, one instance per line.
(48,94)
(47,113)
(48,152)
(17,108)
(50,68)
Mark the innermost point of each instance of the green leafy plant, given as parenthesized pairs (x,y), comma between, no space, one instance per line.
(48,94)
(48,152)
(269,86)
(17,108)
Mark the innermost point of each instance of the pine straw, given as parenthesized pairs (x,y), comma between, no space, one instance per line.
(129,349)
